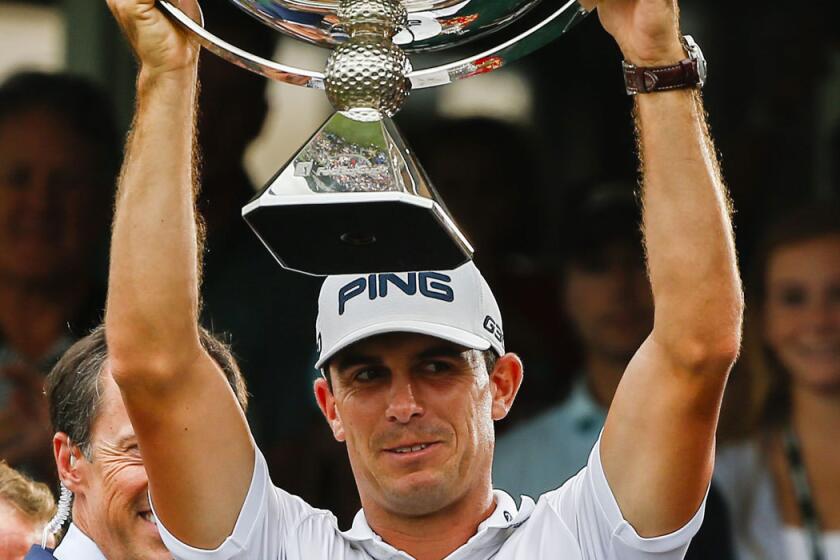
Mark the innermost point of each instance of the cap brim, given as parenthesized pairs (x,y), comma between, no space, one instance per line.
(444,332)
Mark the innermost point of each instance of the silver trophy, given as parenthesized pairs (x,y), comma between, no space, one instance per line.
(354,198)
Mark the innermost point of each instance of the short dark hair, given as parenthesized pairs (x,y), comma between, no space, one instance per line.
(74,385)
(598,216)
(78,102)
(490,357)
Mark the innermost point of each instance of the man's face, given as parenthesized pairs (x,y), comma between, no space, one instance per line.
(417,416)
(607,296)
(112,504)
(49,204)
(17,533)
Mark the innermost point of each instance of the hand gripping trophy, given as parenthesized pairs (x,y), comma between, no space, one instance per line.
(354,198)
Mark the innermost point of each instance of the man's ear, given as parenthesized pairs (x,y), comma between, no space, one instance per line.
(68,459)
(505,380)
(326,402)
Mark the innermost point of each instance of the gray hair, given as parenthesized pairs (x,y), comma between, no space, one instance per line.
(74,388)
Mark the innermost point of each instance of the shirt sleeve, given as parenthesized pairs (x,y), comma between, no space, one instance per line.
(263,528)
(588,507)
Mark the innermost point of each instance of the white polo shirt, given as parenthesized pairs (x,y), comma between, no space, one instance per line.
(580,520)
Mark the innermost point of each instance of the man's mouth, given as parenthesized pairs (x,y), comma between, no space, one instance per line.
(410,448)
(413,449)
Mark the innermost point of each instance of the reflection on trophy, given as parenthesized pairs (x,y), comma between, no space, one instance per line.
(354,198)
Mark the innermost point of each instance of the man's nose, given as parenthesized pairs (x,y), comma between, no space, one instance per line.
(403,404)
(39,193)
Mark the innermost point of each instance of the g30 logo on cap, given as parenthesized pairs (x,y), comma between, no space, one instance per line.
(491,326)
(433,285)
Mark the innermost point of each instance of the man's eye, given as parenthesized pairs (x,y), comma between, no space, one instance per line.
(17,178)
(368,375)
(792,297)
(436,366)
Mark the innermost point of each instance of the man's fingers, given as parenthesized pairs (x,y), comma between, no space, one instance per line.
(588,5)
(128,10)
(130,6)
(192,9)
(159,43)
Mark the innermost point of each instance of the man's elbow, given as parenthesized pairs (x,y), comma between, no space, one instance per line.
(726,345)
(713,354)
(706,339)
(136,361)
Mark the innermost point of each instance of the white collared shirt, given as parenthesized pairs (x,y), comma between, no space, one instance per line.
(743,476)
(578,521)
(77,546)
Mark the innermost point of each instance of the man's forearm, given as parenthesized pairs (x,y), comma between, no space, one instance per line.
(688,231)
(153,285)
(177,397)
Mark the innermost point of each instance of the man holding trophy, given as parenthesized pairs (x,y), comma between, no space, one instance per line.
(415,370)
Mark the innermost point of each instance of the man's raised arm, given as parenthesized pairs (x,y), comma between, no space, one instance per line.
(194,439)
(658,443)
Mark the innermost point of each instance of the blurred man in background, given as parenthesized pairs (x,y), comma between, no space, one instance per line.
(607,299)
(59,153)
(25,508)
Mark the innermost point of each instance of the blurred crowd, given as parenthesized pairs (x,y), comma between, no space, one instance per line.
(553,214)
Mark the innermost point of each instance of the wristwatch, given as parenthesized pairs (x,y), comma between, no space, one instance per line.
(688,73)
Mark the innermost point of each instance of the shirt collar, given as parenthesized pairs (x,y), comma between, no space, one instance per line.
(506,513)
(505,516)
(586,414)
(77,546)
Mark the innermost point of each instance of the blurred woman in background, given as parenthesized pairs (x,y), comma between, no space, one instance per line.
(779,462)
(26,507)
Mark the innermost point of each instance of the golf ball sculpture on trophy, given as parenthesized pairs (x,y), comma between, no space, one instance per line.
(354,198)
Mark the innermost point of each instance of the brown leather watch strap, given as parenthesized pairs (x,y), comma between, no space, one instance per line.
(640,79)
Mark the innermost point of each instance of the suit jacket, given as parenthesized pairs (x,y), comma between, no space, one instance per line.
(38,553)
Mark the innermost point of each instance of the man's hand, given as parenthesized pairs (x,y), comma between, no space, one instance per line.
(158,43)
(647,31)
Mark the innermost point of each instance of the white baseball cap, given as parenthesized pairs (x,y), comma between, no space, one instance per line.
(454,305)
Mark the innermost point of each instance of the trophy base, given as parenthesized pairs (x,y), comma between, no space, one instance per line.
(353,200)
(359,233)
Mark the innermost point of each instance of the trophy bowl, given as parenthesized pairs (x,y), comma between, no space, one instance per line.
(354,198)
